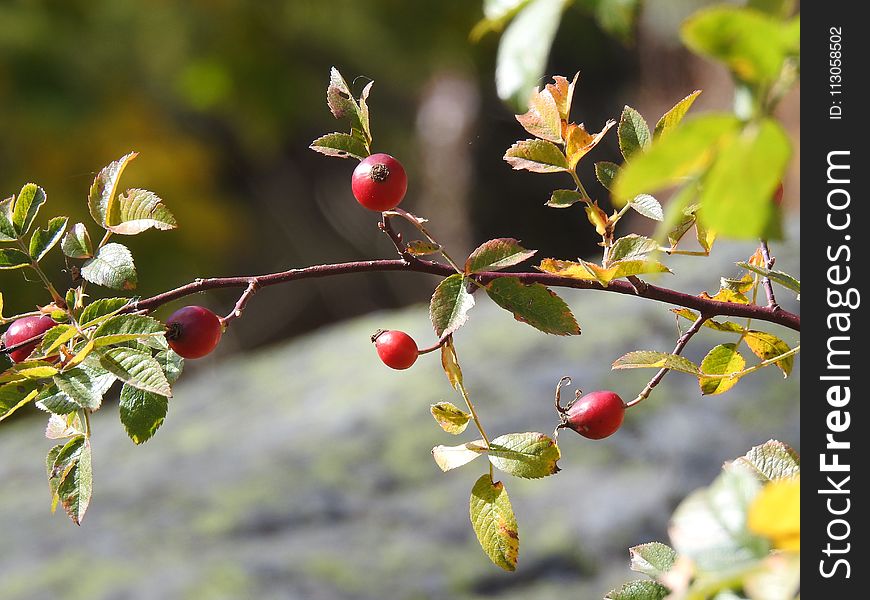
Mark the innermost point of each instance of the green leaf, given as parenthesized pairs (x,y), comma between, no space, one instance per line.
(101,308)
(55,401)
(537,156)
(10,258)
(648,206)
(75,485)
(642,589)
(771,461)
(27,204)
(727,326)
(421,248)
(77,242)
(44,240)
(543,119)
(642,359)
(524,47)
(105,187)
(653,559)
(563,198)
(80,385)
(736,198)
(687,150)
(136,211)
(633,133)
(632,246)
(32,369)
(124,328)
(528,455)
(450,418)
(496,255)
(767,346)
(171,363)
(606,172)
(112,267)
(142,413)
(709,526)
(673,117)
(7,230)
(452,457)
(341,145)
(450,304)
(751,44)
(492,518)
(724,359)
(139,369)
(533,304)
(342,103)
(15,395)
(783,279)
(55,337)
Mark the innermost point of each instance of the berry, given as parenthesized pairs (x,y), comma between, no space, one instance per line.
(193,331)
(24,329)
(379,182)
(595,415)
(397,349)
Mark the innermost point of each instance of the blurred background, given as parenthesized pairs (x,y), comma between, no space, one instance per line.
(258,486)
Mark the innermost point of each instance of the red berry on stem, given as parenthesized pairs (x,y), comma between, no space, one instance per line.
(193,331)
(396,349)
(23,329)
(379,182)
(596,415)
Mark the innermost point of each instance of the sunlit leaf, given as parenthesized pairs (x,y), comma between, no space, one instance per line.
(450,304)
(645,359)
(101,308)
(496,255)
(642,589)
(534,304)
(770,461)
(7,230)
(450,418)
(538,156)
(139,369)
(15,395)
(77,242)
(421,248)
(342,145)
(450,364)
(631,247)
(648,206)
(529,455)
(44,240)
(123,328)
(592,272)
(492,518)
(633,133)
(767,346)
(112,267)
(579,142)
(542,119)
(776,514)
(783,279)
(26,207)
(727,326)
(136,211)
(653,559)
(452,457)
(105,188)
(724,359)
(673,117)
(12,258)
(564,198)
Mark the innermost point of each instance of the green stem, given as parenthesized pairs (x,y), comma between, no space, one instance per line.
(579,185)
(45,281)
(476,419)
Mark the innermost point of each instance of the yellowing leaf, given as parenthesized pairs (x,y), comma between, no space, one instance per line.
(592,272)
(492,518)
(449,417)
(450,364)
(673,117)
(451,457)
(597,217)
(579,142)
(767,346)
(543,119)
(537,156)
(776,514)
(562,91)
(723,360)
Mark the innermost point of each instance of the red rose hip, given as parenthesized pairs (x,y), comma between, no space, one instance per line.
(379,182)
(595,415)
(23,329)
(193,331)
(396,349)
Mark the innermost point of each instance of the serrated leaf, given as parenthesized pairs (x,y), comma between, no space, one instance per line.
(75,488)
(767,346)
(123,328)
(653,559)
(737,196)
(606,172)
(55,337)
(450,304)
(44,240)
(171,363)
(38,371)
(450,364)
(496,255)
(112,267)
(724,359)
(726,295)
(101,308)
(136,211)
(562,91)
(342,103)
(579,142)
(422,248)
(689,149)
(648,206)
(136,368)
(542,119)
(452,457)
(604,275)
(642,589)
(770,461)
(537,156)
(78,384)
(451,418)
(60,462)
(727,326)
(493,521)
(12,258)
(783,279)
(15,395)
(741,286)
(640,359)
(633,133)
(534,304)
(524,48)
(631,247)
(7,230)
(105,186)
(142,413)
(24,211)
(528,455)
(673,117)
(81,354)
(53,400)
(564,198)
(341,145)
(63,426)
(77,242)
